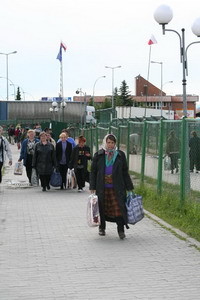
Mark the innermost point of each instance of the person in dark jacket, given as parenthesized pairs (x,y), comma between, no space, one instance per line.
(63,156)
(27,150)
(44,160)
(79,161)
(110,181)
(194,153)
(173,150)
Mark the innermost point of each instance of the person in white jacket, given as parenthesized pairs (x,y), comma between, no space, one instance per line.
(4,151)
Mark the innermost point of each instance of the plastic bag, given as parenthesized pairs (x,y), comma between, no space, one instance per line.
(71,182)
(34,178)
(93,215)
(56,179)
(18,169)
(167,163)
(134,207)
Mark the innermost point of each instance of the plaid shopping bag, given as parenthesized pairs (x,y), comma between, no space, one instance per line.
(134,207)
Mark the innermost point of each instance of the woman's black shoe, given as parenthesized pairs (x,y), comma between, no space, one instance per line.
(121,235)
(44,189)
(102,231)
(48,187)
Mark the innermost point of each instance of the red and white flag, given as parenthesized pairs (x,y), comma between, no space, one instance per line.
(62,45)
(152,40)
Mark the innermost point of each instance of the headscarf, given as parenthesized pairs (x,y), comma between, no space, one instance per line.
(110,154)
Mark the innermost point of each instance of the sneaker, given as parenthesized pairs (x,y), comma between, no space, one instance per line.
(102,232)
(80,190)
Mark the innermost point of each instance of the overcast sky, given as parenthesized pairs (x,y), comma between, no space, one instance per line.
(97,33)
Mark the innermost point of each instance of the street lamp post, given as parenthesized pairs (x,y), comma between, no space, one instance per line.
(112,68)
(163,15)
(94,88)
(7,54)
(161,84)
(11,83)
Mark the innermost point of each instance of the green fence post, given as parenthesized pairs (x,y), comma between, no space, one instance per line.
(128,144)
(91,140)
(144,133)
(160,159)
(118,137)
(97,139)
(183,162)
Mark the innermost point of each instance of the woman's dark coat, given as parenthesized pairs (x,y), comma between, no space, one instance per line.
(44,158)
(68,152)
(120,176)
(74,158)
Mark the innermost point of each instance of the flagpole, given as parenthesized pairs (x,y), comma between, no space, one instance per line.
(147,80)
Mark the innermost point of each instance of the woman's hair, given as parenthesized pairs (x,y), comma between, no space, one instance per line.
(63,134)
(81,139)
(194,133)
(42,133)
(31,130)
(111,137)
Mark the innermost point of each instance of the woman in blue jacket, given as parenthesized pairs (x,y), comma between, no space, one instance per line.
(27,151)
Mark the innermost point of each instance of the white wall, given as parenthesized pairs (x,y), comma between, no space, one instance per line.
(132,112)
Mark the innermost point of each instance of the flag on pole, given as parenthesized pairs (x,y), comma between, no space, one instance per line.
(62,46)
(152,40)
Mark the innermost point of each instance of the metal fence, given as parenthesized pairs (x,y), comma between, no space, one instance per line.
(157,149)
(167,151)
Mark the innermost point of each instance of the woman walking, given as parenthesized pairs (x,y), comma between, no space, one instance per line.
(110,181)
(27,150)
(44,160)
(79,161)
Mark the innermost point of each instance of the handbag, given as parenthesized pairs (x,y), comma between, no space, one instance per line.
(134,207)
(56,179)
(93,215)
(18,170)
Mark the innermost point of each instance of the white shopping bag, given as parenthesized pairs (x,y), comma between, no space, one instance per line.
(18,170)
(93,215)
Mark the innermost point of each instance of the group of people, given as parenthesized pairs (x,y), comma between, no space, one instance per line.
(109,177)
(45,155)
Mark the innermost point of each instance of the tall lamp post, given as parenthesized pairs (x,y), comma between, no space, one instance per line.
(94,88)
(113,68)
(163,15)
(7,54)
(11,83)
(161,83)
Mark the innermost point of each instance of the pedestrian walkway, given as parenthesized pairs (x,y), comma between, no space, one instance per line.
(47,251)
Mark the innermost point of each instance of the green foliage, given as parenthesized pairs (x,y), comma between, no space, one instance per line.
(18,96)
(125,97)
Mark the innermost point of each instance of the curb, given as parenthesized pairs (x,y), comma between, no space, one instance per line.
(180,234)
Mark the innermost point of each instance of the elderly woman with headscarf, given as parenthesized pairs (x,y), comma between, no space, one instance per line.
(110,181)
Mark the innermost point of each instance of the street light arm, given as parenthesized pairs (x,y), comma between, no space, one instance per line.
(186,65)
(181,47)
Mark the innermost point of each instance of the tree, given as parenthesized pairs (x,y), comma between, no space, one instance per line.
(18,96)
(117,98)
(125,96)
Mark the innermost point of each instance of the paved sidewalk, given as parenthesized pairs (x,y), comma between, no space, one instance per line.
(47,251)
